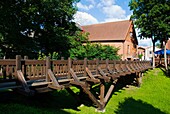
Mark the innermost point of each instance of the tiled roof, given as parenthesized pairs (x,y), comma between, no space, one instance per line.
(108,31)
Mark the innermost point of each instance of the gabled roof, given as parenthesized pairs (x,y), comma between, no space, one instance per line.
(108,31)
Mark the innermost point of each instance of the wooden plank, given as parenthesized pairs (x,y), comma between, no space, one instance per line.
(35,62)
(109,92)
(10,87)
(102,93)
(8,62)
(39,83)
(69,67)
(53,79)
(65,80)
(74,75)
(89,73)
(18,62)
(85,66)
(48,70)
(92,97)
(22,81)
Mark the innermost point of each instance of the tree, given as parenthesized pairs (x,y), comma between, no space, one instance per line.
(151,18)
(77,49)
(158,45)
(81,48)
(30,26)
(101,51)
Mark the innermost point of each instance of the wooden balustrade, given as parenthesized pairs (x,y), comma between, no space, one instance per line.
(60,74)
(37,69)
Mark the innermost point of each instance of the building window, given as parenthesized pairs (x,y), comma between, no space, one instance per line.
(131,34)
(128,49)
(150,52)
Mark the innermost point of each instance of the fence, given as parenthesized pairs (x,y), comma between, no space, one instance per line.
(27,75)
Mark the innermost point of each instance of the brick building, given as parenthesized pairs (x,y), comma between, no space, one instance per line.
(119,34)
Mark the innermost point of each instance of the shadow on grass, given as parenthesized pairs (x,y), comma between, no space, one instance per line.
(132,106)
(166,72)
(122,83)
(51,103)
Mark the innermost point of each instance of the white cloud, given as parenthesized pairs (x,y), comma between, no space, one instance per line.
(84,7)
(84,18)
(91,1)
(117,19)
(144,42)
(114,11)
(106,3)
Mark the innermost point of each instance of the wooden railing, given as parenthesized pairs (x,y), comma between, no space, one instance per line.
(37,69)
(161,61)
(61,74)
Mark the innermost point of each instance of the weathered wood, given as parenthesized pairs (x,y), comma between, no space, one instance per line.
(74,75)
(104,75)
(55,83)
(22,81)
(60,74)
(92,97)
(85,66)
(102,93)
(18,62)
(138,79)
(109,92)
(92,77)
(69,67)
(48,67)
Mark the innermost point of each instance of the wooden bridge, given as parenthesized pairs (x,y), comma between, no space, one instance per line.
(31,76)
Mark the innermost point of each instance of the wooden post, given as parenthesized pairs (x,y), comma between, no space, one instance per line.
(107,64)
(18,66)
(138,79)
(4,72)
(109,92)
(62,58)
(48,66)
(102,93)
(97,64)
(69,67)
(18,62)
(25,69)
(85,65)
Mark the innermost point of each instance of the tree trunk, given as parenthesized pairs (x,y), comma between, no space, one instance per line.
(153,55)
(165,56)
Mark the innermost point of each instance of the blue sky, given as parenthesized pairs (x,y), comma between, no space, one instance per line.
(100,11)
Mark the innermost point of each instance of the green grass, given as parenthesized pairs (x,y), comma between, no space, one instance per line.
(153,97)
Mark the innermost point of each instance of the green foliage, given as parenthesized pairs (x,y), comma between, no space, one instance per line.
(81,48)
(158,44)
(101,51)
(53,56)
(77,49)
(50,22)
(140,56)
(152,18)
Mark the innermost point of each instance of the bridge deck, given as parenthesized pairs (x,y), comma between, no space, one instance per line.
(28,75)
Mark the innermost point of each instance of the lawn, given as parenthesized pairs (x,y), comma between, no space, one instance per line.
(153,97)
